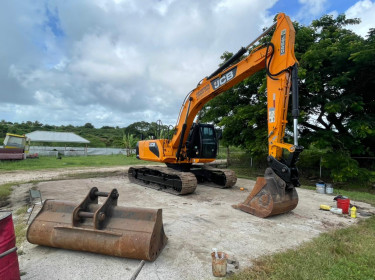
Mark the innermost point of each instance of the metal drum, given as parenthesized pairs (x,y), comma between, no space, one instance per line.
(9,268)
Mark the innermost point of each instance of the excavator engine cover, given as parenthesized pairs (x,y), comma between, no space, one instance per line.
(108,229)
(270,196)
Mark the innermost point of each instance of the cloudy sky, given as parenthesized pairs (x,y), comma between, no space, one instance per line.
(115,62)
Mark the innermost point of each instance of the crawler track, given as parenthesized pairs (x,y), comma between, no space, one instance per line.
(219,178)
(180,183)
(164,179)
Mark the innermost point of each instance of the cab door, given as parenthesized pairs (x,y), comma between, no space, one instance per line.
(202,141)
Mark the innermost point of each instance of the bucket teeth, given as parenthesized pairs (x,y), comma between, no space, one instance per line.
(126,232)
(270,196)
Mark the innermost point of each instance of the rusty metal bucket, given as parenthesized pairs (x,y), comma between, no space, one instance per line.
(108,229)
(270,196)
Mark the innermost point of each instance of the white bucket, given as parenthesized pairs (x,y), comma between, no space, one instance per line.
(320,187)
(336,210)
(329,189)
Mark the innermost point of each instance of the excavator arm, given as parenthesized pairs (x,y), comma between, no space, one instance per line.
(281,67)
(281,178)
(279,60)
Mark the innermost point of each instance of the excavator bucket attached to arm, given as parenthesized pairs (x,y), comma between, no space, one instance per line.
(275,192)
(270,196)
(108,229)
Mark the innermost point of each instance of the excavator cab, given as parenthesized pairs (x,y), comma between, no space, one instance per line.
(202,141)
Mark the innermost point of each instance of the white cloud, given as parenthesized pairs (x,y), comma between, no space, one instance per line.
(311,8)
(100,58)
(115,62)
(365,10)
(47,100)
(334,13)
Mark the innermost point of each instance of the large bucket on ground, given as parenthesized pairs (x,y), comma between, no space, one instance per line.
(270,196)
(108,229)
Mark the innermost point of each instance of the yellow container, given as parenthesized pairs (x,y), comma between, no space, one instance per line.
(353,212)
(325,207)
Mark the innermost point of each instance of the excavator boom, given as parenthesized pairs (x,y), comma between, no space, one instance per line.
(279,60)
(191,144)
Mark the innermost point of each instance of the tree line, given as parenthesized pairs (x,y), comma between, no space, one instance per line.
(337,100)
(106,136)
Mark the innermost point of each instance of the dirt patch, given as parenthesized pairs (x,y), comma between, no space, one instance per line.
(194,225)
(4,203)
(21,179)
(44,175)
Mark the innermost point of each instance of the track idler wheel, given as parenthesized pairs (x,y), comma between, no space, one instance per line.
(270,196)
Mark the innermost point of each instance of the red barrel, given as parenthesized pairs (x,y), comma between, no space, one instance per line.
(9,269)
(343,203)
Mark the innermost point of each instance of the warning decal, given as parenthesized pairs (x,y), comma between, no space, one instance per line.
(271,115)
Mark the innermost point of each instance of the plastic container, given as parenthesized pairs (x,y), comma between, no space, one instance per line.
(320,187)
(336,210)
(219,264)
(329,189)
(9,268)
(325,207)
(343,203)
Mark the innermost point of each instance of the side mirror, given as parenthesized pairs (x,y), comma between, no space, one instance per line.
(219,134)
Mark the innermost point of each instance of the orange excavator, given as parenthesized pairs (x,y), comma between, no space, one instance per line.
(106,228)
(194,143)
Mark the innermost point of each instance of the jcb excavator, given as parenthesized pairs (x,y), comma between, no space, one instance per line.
(195,143)
(138,232)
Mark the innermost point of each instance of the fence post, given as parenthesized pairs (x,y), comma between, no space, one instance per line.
(320,168)
(228,156)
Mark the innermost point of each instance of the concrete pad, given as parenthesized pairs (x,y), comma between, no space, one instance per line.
(194,225)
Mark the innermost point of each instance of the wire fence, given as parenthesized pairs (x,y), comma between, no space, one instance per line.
(77,151)
(310,165)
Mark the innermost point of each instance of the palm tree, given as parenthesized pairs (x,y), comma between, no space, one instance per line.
(129,142)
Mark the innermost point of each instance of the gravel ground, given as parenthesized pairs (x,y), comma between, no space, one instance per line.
(20,176)
(194,224)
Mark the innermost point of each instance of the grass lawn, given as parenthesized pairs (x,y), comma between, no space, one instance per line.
(52,162)
(5,191)
(342,254)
